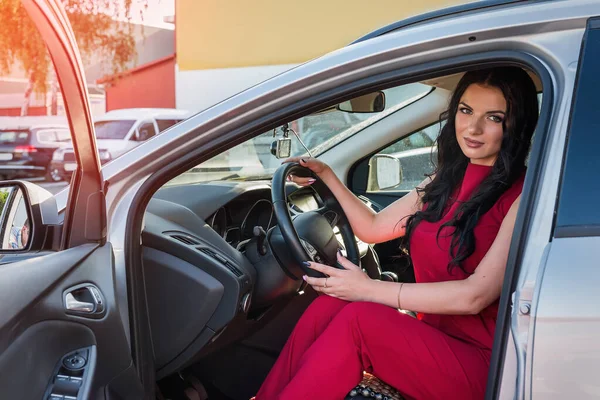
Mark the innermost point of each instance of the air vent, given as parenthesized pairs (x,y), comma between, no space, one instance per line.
(185,239)
(221,260)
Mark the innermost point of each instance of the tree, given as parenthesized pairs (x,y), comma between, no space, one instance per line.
(99,30)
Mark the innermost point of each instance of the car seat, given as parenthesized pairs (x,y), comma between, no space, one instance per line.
(372,388)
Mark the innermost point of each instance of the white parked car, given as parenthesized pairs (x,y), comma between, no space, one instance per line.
(117,132)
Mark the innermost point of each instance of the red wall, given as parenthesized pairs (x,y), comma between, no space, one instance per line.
(150,85)
(15,112)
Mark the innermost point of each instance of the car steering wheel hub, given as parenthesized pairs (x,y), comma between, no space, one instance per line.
(310,235)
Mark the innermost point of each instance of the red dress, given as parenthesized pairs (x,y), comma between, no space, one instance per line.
(432,357)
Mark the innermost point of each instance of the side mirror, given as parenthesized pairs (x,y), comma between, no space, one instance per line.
(385,172)
(368,103)
(27,211)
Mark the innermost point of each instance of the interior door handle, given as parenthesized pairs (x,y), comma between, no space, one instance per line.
(84,299)
(72,304)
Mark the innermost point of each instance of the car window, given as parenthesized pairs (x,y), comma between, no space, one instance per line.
(146,131)
(34,120)
(416,154)
(113,129)
(46,136)
(14,137)
(578,213)
(321,131)
(166,123)
(63,135)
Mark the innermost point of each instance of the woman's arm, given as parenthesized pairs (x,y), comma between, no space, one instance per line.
(468,296)
(369,226)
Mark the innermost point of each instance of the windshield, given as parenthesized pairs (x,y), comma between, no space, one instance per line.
(63,135)
(116,129)
(14,137)
(252,160)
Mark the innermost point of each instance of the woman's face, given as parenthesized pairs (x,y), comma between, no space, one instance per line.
(479,123)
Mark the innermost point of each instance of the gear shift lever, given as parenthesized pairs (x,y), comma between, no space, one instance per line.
(259,233)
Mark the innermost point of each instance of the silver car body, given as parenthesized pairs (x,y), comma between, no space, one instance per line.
(552,304)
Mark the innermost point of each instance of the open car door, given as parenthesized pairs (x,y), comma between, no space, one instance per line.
(64,328)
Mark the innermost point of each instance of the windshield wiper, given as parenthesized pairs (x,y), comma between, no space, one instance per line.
(231,177)
(251,178)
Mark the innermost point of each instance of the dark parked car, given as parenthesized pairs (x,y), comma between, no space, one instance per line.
(26,147)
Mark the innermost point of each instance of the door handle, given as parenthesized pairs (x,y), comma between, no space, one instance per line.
(72,304)
(84,300)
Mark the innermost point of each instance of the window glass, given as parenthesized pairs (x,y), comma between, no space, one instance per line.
(321,131)
(63,135)
(416,154)
(578,210)
(33,120)
(166,123)
(12,137)
(46,136)
(146,131)
(114,129)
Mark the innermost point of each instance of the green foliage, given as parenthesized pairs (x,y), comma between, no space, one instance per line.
(3,197)
(96,31)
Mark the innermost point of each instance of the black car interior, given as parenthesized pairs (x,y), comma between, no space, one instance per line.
(223,275)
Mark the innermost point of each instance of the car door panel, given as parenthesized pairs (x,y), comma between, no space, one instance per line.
(36,331)
(39,349)
(567,322)
(39,274)
(62,300)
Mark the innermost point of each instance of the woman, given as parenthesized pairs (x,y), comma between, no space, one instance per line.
(459,224)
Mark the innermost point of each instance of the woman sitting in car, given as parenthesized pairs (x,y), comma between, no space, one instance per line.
(459,224)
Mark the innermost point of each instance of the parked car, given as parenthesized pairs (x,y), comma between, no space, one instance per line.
(117,132)
(27,145)
(127,281)
(417,154)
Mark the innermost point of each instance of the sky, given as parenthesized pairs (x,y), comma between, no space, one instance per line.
(153,15)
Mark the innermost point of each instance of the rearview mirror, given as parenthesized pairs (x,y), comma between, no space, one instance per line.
(368,103)
(385,172)
(27,213)
(281,148)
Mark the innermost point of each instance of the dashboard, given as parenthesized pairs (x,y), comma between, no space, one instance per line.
(235,221)
(211,277)
(206,285)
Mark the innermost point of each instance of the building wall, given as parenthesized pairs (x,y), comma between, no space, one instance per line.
(16,111)
(225,47)
(151,85)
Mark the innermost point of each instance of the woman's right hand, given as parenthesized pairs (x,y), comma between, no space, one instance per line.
(315,165)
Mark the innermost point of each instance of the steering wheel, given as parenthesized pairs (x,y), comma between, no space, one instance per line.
(309,236)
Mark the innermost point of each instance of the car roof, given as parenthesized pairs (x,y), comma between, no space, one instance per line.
(35,122)
(140,113)
(443,13)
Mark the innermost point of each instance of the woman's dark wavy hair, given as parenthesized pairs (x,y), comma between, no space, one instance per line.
(518,126)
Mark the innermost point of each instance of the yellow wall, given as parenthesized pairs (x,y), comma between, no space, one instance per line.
(240,33)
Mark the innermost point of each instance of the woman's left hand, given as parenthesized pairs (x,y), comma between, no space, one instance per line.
(350,283)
